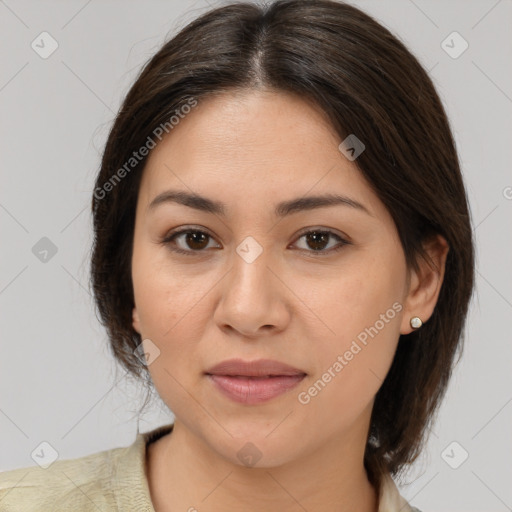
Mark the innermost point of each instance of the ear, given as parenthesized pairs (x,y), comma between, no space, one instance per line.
(135,320)
(425,283)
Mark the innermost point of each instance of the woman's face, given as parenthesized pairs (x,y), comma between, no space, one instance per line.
(254,285)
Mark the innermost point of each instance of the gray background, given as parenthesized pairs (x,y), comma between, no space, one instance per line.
(59,383)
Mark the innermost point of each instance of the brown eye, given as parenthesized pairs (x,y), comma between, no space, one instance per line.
(317,241)
(196,240)
(188,241)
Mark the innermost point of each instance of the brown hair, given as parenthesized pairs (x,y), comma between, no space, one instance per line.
(367,83)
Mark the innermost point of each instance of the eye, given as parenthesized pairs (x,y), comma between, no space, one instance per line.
(318,239)
(189,241)
(195,239)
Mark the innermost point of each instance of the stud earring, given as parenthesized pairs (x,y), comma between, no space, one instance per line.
(416,322)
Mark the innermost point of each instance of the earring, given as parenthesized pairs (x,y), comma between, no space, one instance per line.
(416,322)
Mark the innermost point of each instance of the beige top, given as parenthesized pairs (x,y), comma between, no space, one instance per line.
(111,480)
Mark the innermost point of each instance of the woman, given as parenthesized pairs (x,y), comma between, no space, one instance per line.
(283,246)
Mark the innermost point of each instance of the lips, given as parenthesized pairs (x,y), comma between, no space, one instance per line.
(257,368)
(254,382)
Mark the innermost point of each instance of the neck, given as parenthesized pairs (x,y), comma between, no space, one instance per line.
(185,474)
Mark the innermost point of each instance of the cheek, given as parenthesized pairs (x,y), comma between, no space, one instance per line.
(171,309)
(360,312)
(174,307)
(165,296)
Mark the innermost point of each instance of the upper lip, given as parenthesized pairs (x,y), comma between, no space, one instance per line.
(256,368)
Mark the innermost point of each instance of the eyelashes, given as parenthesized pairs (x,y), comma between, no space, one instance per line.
(170,240)
(198,236)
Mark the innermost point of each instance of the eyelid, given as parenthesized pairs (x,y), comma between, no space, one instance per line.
(186,229)
(321,229)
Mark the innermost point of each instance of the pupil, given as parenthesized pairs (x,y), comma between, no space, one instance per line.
(192,238)
(318,239)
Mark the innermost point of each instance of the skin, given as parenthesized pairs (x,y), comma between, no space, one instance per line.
(251,150)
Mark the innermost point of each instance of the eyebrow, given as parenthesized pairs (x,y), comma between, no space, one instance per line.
(282,209)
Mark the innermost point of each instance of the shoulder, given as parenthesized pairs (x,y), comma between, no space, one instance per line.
(83,483)
(113,480)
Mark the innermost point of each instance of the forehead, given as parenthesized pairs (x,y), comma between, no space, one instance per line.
(254,146)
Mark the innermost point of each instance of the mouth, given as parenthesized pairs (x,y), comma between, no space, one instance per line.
(254,382)
(256,368)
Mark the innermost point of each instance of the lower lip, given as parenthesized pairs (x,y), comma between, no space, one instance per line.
(251,391)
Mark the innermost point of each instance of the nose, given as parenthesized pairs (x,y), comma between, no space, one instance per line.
(253,299)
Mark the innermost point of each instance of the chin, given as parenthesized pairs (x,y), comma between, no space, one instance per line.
(252,447)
